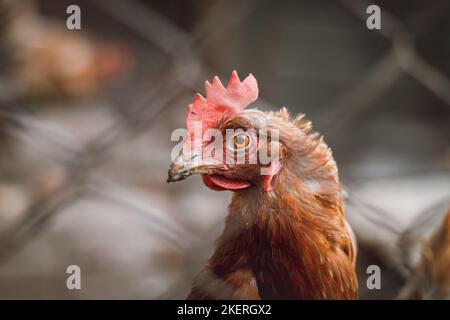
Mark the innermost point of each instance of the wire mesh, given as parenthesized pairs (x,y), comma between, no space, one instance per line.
(88,168)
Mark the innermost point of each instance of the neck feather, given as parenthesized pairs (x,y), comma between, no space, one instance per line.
(296,238)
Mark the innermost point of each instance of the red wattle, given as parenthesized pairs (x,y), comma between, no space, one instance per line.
(220,183)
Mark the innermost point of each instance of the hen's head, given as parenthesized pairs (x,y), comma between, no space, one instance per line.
(233,148)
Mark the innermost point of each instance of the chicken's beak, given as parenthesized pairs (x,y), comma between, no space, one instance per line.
(185,166)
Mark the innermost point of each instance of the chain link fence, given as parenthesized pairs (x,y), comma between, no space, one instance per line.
(83,181)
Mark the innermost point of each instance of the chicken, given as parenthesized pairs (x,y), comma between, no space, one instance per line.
(45,59)
(431,278)
(285,235)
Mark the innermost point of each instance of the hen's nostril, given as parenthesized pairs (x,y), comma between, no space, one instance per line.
(194,156)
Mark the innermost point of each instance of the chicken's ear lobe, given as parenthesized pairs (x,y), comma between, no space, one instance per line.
(269,173)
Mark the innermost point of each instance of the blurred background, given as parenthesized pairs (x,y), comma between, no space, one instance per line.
(86,117)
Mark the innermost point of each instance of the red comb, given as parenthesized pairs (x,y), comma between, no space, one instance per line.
(220,100)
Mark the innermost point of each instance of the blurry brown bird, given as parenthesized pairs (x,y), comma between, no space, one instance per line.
(46,59)
(431,277)
(285,236)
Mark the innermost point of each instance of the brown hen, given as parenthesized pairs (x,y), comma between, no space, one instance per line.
(285,236)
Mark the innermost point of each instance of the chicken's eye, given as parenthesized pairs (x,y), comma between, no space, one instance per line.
(241,141)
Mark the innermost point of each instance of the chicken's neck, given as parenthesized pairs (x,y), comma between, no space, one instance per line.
(294,239)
